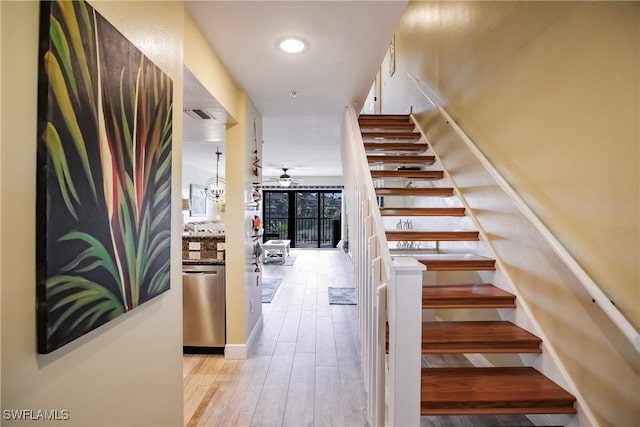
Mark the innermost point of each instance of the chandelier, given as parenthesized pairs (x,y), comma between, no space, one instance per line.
(214,188)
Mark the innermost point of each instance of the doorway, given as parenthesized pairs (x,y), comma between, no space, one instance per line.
(309,218)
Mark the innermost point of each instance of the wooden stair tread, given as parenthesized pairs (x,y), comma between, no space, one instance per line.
(390,136)
(477,337)
(456,337)
(481,295)
(456,262)
(430,236)
(407,174)
(406,159)
(511,390)
(422,211)
(386,126)
(384,117)
(416,191)
(416,147)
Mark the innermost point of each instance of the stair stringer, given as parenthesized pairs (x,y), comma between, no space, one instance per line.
(527,267)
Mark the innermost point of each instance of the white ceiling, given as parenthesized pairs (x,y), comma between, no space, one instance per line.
(347,41)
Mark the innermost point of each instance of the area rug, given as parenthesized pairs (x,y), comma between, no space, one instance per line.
(342,296)
(269,288)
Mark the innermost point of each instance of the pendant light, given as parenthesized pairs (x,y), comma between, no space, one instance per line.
(214,188)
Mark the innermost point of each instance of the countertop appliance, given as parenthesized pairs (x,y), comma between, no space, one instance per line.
(203,308)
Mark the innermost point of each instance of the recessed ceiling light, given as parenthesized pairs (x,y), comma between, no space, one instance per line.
(292,45)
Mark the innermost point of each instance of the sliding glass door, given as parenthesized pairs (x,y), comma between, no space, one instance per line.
(330,219)
(276,215)
(306,220)
(310,219)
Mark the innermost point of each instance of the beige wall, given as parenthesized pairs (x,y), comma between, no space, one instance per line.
(1,203)
(244,303)
(252,141)
(127,372)
(236,230)
(207,68)
(549,91)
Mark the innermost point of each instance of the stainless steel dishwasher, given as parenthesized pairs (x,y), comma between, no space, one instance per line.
(203,308)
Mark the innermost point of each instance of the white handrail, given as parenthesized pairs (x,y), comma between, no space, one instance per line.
(355,127)
(627,329)
(393,393)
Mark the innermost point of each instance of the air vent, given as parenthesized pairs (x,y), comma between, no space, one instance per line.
(199,114)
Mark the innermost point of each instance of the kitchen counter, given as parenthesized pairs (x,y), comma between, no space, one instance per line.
(203,250)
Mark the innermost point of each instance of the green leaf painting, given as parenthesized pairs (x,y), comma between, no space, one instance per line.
(104,174)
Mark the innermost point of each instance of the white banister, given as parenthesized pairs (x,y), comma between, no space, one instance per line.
(381,352)
(394,389)
(627,329)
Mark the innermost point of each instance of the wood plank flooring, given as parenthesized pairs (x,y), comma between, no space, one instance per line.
(305,368)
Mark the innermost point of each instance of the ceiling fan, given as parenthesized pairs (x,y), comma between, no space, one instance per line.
(285,179)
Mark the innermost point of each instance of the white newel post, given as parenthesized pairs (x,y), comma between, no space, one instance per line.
(372,337)
(365,333)
(405,342)
(381,351)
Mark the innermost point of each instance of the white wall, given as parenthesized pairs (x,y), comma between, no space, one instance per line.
(192,175)
(129,371)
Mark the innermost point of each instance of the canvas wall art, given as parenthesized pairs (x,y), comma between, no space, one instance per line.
(103,175)
(198,200)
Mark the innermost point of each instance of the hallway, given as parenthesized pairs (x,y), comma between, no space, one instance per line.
(305,367)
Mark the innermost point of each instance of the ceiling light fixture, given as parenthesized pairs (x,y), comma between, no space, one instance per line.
(285,179)
(292,45)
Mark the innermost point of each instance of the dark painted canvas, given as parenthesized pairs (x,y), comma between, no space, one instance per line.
(104,175)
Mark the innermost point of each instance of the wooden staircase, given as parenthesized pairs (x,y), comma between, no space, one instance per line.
(396,153)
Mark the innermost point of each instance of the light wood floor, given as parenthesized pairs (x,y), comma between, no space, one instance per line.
(305,369)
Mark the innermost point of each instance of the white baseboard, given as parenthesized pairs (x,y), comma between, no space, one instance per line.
(235,351)
(242,351)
